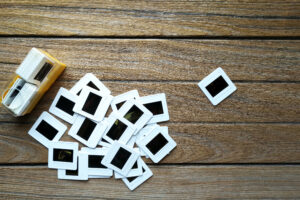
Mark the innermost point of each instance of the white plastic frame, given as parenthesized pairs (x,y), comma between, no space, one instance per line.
(56,124)
(142,134)
(221,95)
(82,170)
(89,77)
(139,124)
(131,142)
(32,64)
(99,172)
(145,131)
(140,179)
(63,165)
(132,94)
(164,151)
(20,102)
(157,98)
(102,106)
(104,144)
(95,176)
(7,100)
(95,136)
(106,161)
(60,113)
(129,131)
(133,172)
(101,142)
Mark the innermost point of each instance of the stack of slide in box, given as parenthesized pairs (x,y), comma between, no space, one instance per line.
(114,144)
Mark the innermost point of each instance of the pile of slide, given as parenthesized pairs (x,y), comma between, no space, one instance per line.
(113,145)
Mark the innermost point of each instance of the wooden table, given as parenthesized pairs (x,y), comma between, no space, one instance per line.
(246,147)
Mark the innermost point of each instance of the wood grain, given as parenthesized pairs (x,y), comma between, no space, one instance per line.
(167,60)
(176,182)
(245,148)
(252,102)
(150,18)
(196,143)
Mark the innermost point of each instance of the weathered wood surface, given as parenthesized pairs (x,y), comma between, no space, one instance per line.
(164,60)
(261,94)
(150,18)
(196,143)
(245,148)
(168,182)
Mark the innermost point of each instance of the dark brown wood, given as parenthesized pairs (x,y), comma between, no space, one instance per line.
(150,18)
(196,143)
(163,60)
(168,182)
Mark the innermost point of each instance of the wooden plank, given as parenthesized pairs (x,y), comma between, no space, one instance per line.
(191,60)
(214,143)
(144,18)
(168,182)
(252,102)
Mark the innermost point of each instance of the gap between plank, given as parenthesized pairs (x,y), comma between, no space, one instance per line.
(153,37)
(191,123)
(187,81)
(5,165)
